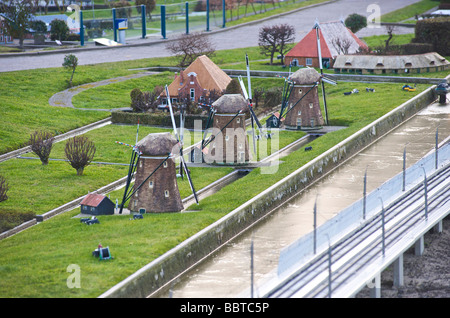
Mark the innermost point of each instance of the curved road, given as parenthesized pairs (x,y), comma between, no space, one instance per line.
(230,38)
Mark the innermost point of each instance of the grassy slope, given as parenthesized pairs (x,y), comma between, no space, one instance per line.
(62,241)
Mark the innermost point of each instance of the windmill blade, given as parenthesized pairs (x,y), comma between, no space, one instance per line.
(171,114)
(182,162)
(328,80)
(317,27)
(248,79)
(186,170)
(244,91)
(131,169)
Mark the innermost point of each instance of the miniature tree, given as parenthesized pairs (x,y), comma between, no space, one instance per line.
(273,39)
(355,22)
(70,63)
(79,151)
(188,47)
(18,15)
(3,189)
(41,144)
(59,30)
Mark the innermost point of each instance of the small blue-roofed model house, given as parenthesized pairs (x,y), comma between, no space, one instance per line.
(97,204)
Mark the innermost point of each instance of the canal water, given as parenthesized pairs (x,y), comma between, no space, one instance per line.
(228,273)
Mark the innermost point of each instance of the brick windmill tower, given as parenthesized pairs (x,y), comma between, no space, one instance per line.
(156,188)
(228,143)
(303,102)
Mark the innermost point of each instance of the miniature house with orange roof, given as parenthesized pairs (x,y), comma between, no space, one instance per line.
(335,39)
(197,80)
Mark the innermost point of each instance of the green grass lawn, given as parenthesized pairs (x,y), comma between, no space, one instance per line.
(410,11)
(36,189)
(62,240)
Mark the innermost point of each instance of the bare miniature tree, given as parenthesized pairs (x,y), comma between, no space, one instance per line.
(41,144)
(3,189)
(341,45)
(258,94)
(273,39)
(188,47)
(389,30)
(79,151)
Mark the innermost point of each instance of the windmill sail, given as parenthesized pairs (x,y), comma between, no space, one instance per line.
(316,26)
(182,162)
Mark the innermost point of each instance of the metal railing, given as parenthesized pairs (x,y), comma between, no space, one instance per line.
(362,210)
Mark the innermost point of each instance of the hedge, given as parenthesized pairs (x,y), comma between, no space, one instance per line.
(155,119)
(435,31)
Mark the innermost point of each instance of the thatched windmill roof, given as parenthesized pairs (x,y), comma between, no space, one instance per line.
(158,144)
(305,76)
(230,104)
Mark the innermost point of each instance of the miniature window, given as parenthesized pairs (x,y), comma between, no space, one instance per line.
(165,164)
(226,138)
(299,121)
(166,193)
(238,120)
(308,61)
(299,91)
(150,184)
(299,112)
(310,105)
(240,146)
(92,209)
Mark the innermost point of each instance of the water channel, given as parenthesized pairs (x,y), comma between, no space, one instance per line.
(227,273)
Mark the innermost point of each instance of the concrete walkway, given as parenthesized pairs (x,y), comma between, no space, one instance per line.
(245,35)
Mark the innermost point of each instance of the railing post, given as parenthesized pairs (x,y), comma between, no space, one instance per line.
(364,194)
(114,24)
(404,168)
(207,15)
(224,19)
(436,148)
(426,193)
(315,226)
(382,228)
(163,21)
(81,29)
(251,270)
(144,25)
(329,271)
(187,17)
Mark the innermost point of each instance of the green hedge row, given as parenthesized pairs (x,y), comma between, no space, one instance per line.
(435,31)
(155,119)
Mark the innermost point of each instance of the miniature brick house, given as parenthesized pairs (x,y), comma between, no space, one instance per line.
(197,80)
(306,113)
(231,145)
(160,192)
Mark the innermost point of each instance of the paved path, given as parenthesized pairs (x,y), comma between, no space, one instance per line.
(64,98)
(229,38)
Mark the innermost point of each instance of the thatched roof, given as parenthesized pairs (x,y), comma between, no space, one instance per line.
(334,36)
(305,75)
(209,76)
(230,104)
(158,144)
(390,61)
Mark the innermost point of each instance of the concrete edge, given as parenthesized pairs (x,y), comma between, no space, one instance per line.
(168,266)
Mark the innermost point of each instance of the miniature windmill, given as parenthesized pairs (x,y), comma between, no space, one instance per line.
(156,188)
(152,163)
(228,143)
(300,101)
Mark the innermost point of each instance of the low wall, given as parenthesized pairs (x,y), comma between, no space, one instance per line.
(163,269)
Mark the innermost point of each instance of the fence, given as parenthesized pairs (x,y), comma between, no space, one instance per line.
(167,19)
(356,213)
